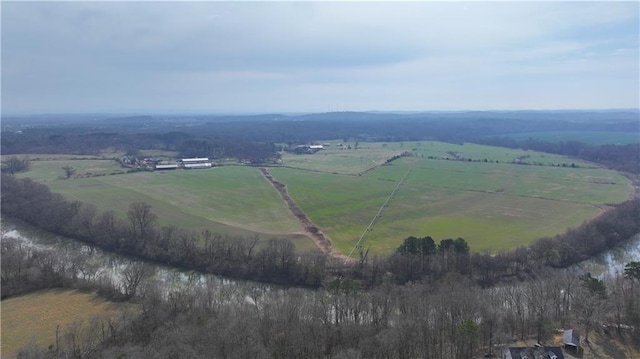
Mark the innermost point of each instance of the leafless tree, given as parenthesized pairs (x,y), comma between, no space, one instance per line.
(133,275)
(141,220)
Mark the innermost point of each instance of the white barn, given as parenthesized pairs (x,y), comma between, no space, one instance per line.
(198,162)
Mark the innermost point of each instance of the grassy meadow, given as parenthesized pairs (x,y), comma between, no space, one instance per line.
(32,318)
(494,205)
(470,191)
(234,200)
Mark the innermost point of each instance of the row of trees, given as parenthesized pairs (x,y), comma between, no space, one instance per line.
(26,268)
(624,158)
(37,141)
(275,260)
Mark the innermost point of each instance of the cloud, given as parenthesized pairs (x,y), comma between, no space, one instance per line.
(223,55)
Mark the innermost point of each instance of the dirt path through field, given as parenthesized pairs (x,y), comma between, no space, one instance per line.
(310,229)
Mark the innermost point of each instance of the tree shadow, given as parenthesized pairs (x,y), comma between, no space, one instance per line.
(572,353)
(613,350)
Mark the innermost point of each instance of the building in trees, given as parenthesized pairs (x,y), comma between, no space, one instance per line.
(571,339)
(533,353)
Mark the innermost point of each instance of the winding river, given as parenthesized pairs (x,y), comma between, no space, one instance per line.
(169,279)
(110,265)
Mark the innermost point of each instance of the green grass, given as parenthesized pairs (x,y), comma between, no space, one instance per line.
(46,169)
(494,205)
(235,201)
(340,160)
(487,199)
(32,318)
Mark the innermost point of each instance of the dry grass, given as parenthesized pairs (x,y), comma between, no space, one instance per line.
(32,318)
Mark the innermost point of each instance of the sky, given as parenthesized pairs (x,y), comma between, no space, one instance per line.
(266,57)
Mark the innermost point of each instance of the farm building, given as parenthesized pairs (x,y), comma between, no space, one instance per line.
(198,162)
(571,339)
(166,167)
(533,353)
(307,149)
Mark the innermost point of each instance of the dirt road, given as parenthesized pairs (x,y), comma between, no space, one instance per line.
(310,229)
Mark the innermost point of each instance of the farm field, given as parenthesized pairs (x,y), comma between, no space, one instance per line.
(235,201)
(494,205)
(33,318)
(47,169)
(471,191)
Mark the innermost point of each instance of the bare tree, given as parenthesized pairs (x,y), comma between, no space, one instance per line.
(133,275)
(68,171)
(590,303)
(141,220)
(13,164)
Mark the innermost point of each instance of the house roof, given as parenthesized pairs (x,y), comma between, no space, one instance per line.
(571,337)
(533,353)
(197,159)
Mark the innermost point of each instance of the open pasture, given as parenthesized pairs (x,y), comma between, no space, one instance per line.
(235,201)
(46,168)
(470,191)
(338,159)
(341,160)
(494,205)
(32,318)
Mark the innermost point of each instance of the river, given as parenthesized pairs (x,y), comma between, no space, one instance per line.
(170,279)
(613,261)
(164,278)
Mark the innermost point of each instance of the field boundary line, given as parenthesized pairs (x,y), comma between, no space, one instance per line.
(311,230)
(377,216)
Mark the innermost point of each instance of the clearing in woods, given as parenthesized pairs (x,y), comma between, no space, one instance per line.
(33,318)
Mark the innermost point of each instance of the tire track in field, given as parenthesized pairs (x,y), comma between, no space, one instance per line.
(378,215)
(310,229)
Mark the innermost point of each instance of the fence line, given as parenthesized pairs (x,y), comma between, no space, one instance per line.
(377,216)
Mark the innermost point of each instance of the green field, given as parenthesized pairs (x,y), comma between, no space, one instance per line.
(32,318)
(46,169)
(470,191)
(494,205)
(235,201)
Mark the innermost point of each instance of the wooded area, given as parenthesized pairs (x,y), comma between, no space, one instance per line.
(449,317)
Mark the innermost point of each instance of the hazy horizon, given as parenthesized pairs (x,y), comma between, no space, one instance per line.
(313,57)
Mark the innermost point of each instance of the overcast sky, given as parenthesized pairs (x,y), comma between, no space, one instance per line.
(317,56)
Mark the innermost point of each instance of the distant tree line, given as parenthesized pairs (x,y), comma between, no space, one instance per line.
(252,138)
(275,260)
(624,158)
(39,141)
